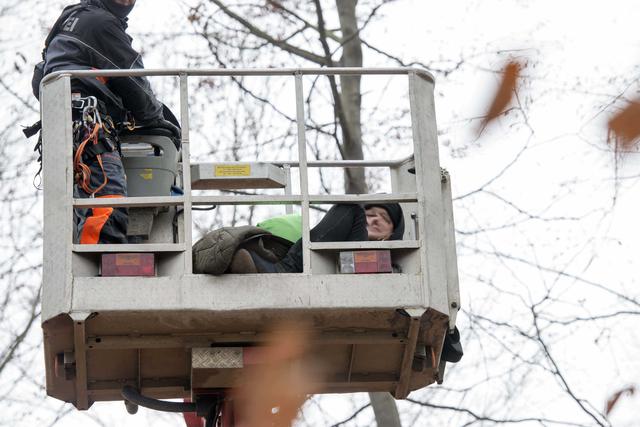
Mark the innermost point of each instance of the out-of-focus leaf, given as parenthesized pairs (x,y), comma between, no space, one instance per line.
(502,98)
(274,4)
(613,400)
(281,379)
(625,125)
(194,14)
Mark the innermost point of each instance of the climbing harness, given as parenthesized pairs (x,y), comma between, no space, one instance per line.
(94,134)
(96,131)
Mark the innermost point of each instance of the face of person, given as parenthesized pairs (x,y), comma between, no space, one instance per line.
(379,224)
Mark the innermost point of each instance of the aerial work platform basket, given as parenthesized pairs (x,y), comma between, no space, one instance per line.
(178,333)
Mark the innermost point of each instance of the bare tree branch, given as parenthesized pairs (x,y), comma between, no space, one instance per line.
(599,418)
(480,418)
(352,417)
(309,56)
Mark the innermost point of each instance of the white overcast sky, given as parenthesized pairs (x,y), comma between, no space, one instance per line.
(575,46)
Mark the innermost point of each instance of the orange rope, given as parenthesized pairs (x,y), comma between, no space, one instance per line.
(82,171)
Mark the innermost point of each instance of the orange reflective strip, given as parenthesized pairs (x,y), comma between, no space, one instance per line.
(93,224)
(101,79)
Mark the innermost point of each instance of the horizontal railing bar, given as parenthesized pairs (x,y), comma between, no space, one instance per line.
(344,163)
(347,163)
(363,198)
(129,202)
(129,247)
(246,200)
(295,199)
(332,71)
(320,163)
(265,199)
(180,247)
(377,244)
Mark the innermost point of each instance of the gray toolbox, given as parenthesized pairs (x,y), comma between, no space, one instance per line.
(151,165)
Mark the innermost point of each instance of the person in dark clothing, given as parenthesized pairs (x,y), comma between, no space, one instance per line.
(343,223)
(92,35)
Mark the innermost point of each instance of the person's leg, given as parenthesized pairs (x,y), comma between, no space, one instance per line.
(343,223)
(106,225)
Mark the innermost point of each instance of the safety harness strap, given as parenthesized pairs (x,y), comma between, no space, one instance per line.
(94,134)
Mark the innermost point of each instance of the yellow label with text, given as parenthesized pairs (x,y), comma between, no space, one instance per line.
(233,170)
(147,174)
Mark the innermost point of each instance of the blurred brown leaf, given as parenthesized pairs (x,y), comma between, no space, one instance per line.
(282,379)
(613,400)
(274,4)
(625,125)
(501,100)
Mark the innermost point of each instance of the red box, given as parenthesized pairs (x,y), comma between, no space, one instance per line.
(361,262)
(128,264)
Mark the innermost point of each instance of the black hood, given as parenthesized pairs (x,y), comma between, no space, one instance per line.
(397,217)
(117,9)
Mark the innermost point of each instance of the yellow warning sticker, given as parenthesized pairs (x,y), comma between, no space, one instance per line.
(147,174)
(233,170)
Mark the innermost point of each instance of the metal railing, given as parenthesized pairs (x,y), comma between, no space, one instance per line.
(58,173)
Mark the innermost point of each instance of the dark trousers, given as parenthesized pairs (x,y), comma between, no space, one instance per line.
(343,223)
(104,224)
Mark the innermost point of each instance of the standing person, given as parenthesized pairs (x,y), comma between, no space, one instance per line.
(92,35)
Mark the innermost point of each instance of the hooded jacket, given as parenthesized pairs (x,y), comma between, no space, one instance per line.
(92,37)
(395,214)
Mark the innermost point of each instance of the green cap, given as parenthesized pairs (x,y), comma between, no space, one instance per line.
(288,227)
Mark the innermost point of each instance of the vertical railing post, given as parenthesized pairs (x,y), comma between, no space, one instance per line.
(429,188)
(186,171)
(57,180)
(287,189)
(453,289)
(304,174)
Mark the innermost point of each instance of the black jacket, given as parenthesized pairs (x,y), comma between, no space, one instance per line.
(91,37)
